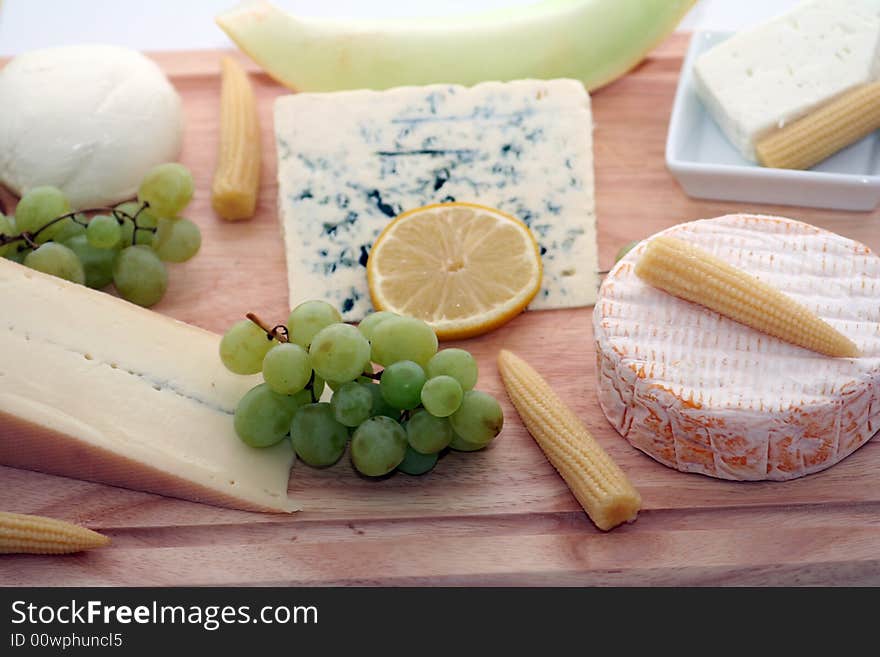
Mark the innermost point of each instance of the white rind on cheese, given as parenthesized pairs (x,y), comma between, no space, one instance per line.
(764,78)
(349,162)
(703,393)
(89,119)
(94,387)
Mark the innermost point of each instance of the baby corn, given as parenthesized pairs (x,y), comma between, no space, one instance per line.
(595,479)
(690,273)
(822,133)
(237,177)
(25,534)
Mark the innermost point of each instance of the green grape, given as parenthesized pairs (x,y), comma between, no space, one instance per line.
(302,397)
(416,463)
(58,232)
(318,385)
(139,275)
(103,232)
(378,446)
(459,444)
(17,251)
(401,384)
(457,363)
(18,256)
(7,229)
(370,322)
(352,404)
(441,395)
(58,260)
(263,417)
(368,369)
(177,240)
(479,418)
(317,438)
(338,352)
(168,188)
(126,211)
(380,406)
(145,219)
(428,434)
(69,229)
(335,385)
(403,338)
(38,207)
(244,346)
(97,263)
(626,248)
(308,318)
(286,368)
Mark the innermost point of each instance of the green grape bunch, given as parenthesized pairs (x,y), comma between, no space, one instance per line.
(403,418)
(127,245)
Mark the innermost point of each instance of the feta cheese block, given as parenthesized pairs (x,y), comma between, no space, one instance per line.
(96,388)
(764,78)
(349,162)
(702,393)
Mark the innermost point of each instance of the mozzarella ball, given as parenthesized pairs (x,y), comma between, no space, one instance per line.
(89,119)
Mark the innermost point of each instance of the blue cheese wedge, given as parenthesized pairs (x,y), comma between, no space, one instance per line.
(766,77)
(96,388)
(349,162)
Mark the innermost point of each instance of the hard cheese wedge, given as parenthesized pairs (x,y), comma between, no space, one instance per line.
(349,162)
(704,393)
(96,388)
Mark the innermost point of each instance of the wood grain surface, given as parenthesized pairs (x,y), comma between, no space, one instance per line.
(502,516)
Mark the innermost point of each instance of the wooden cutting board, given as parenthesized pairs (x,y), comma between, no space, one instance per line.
(502,516)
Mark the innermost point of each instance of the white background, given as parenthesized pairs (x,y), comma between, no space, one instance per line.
(189,24)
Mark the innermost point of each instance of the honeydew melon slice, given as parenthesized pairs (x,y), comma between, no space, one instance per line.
(594,41)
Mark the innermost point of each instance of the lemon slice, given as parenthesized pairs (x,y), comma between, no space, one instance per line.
(465,269)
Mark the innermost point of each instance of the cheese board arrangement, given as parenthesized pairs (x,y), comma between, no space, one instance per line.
(352,306)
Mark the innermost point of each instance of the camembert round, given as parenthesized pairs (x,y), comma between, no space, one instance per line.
(702,393)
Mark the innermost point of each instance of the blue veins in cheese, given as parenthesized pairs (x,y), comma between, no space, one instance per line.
(349,162)
(761,79)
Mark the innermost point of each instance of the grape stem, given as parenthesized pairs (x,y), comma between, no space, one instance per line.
(280,333)
(275,333)
(29,238)
(310,386)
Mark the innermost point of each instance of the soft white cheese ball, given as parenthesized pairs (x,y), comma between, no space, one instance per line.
(90,119)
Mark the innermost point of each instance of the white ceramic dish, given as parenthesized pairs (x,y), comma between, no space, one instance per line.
(708,166)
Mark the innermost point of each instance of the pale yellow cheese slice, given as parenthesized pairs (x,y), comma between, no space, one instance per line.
(96,388)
